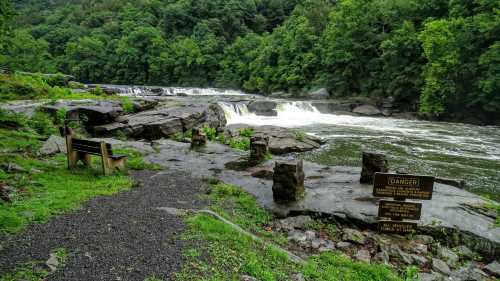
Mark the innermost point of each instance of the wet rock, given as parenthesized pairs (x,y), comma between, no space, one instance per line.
(144,104)
(440,266)
(263,173)
(263,107)
(464,252)
(198,138)
(382,257)
(316,243)
(363,255)
(433,276)
(468,273)
(328,246)
(419,260)
(298,222)
(162,122)
(373,163)
(447,255)
(396,253)
(319,94)
(288,181)
(310,234)
(353,235)
(281,140)
(297,236)
(343,245)
(453,182)
(54,145)
(493,268)
(367,110)
(424,239)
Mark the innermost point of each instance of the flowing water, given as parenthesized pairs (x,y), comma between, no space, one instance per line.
(449,150)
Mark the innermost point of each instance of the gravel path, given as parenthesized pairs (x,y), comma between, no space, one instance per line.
(123,237)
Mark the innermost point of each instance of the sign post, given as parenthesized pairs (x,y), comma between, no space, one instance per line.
(401,187)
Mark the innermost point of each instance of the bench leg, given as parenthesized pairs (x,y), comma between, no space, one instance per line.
(85,158)
(118,164)
(72,159)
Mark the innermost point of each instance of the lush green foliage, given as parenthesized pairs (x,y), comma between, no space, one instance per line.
(438,56)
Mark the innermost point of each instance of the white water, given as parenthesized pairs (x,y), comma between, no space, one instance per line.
(141,91)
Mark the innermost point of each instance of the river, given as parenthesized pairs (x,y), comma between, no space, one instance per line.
(450,150)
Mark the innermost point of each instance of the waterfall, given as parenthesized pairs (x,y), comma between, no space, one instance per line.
(138,91)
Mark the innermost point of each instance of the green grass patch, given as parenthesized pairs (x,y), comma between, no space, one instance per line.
(225,254)
(46,187)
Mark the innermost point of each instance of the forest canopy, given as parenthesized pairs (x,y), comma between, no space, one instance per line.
(442,56)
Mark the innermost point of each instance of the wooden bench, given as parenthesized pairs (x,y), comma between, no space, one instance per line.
(81,150)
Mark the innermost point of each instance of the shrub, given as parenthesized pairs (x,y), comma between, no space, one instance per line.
(210,132)
(11,120)
(240,143)
(247,132)
(42,123)
(127,105)
(56,80)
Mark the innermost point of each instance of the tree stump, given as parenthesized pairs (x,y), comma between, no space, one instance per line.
(288,181)
(258,149)
(373,163)
(198,138)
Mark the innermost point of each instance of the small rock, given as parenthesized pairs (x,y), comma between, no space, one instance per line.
(35,171)
(52,262)
(310,234)
(248,278)
(328,246)
(297,236)
(298,277)
(173,211)
(363,255)
(464,252)
(343,245)
(433,276)
(398,254)
(12,168)
(55,144)
(418,248)
(316,243)
(493,268)
(419,260)
(440,266)
(5,192)
(447,255)
(367,109)
(424,239)
(382,257)
(353,235)
(468,273)
(291,223)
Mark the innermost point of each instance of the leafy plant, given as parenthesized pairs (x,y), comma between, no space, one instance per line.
(127,105)
(210,132)
(240,143)
(247,132)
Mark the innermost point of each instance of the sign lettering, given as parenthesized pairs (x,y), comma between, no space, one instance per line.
(399,210)
(397,227)
(403,186)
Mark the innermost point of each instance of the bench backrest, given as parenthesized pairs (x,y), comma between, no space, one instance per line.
(91,147)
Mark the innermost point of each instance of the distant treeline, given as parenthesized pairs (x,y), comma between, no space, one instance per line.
(440,55)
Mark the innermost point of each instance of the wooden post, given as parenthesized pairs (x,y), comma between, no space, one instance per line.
(105,159)
(71,154)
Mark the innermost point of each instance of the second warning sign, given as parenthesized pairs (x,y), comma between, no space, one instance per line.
(400,210)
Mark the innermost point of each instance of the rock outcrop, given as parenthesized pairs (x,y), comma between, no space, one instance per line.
(263,107)
(281,140)
(367,109)
(319,94)
(164,121)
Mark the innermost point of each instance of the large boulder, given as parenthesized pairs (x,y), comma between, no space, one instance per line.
(281,140)
(263,107)
(95,112)
(164,121)
(54,145)
(367,109)
(319,94)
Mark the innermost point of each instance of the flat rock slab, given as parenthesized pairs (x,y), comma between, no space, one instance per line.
(281,140)
(336,191)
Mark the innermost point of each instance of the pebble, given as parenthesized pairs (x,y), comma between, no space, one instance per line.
(363,255)
(440,266)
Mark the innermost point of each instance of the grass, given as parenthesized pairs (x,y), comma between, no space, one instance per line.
(224,254)
(52,189)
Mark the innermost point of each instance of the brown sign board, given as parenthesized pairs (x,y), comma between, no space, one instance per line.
(403,186)
(399,210)
(397,227)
